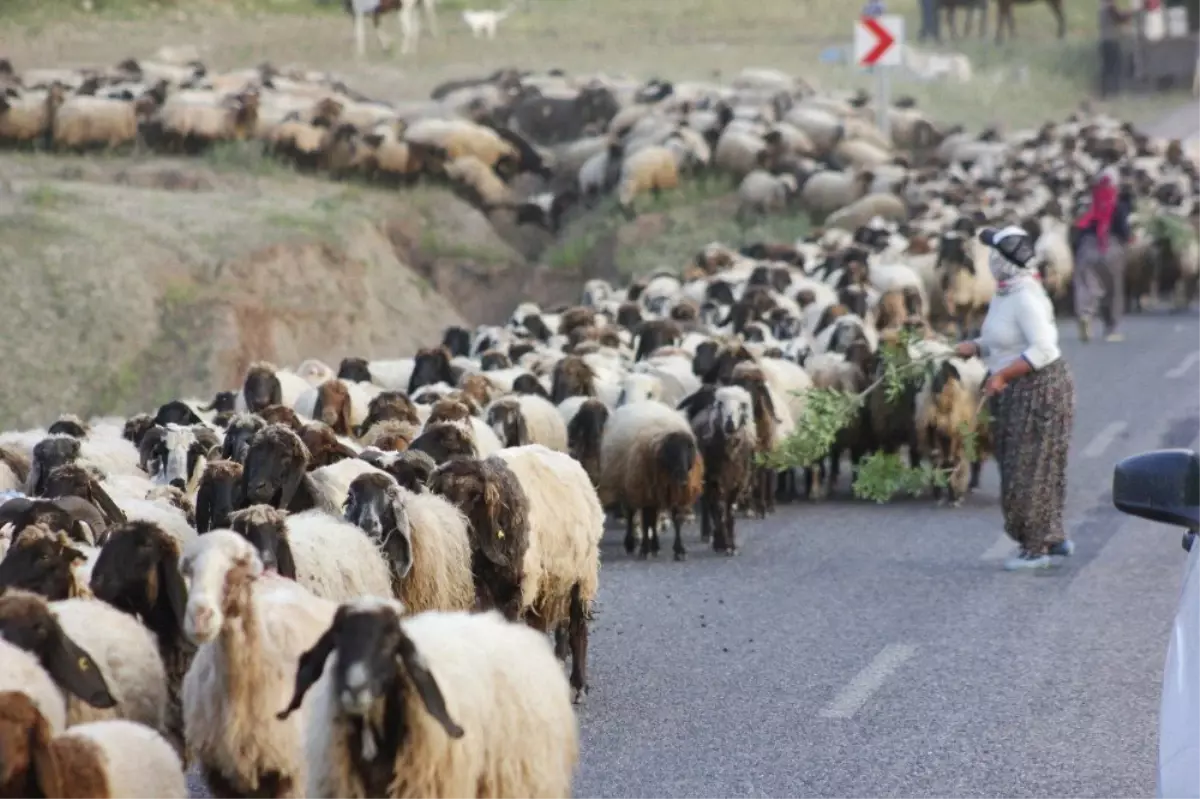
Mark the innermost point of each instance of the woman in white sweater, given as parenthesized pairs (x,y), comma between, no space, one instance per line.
(1032,400)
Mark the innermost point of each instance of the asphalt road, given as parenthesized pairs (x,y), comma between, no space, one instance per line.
(856,649)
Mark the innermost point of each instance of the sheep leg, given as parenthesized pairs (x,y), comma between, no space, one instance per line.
(431,18)
(360,35)
(976,468)
(649,530)
(706,516)
(730,540)
(630,534)
(578,626)
(561,633)
(677,523)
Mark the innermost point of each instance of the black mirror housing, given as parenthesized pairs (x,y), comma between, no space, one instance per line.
(1162,486)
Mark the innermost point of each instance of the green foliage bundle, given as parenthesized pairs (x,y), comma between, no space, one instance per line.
(827,412)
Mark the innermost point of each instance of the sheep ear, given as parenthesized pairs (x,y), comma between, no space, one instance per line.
(105,503)
(770,404)
(691,404)
(399,543)
(427,687)
(285,564)
(197,474)
(76,671)
(34,482)
(204,507)
(170,582)
(309,669)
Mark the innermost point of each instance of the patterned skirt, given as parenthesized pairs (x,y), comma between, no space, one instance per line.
(1031,424)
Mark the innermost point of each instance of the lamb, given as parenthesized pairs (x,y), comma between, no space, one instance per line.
(326,555)
(535,524)
(128,680)
(527,419)
(493,717)
(425,539)
(251,628)
(723,422)
(137,572)
(101,759)
(650,461)
(947,410)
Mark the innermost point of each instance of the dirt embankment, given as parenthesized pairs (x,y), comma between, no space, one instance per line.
(129,283)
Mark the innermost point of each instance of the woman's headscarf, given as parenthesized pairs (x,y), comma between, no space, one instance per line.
(1011,255)
(1100,214)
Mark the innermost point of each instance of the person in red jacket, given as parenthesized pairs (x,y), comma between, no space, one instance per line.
(1099,262)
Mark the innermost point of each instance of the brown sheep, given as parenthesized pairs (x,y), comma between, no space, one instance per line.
(478,389)
(333,406)
(750,377)
(114,760)
(391,435)
(572,377)
(44,562)
(323,445)
(444,441)
(282,414)
(490,496)
(17,463)
(388,406)
(137,572)
(448,409)
(24,120)
(218,494)
(73,480)
(655,334)
(572,318)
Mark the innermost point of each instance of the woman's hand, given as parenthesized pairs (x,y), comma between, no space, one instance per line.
(994,385)
(966,349)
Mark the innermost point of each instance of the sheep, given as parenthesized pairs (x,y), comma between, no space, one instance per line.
(27,117)
(527,419)
(425,538)
(21,671)
(324,446)
(858,213)
(967,282)
(410,469)
(430,366)
(947,408)
(760,192)
(826,192)
(535,524)
(129,680)
(177,457)
(83,121)
(327,487)
(47,562)
(265,386)
(488,712)
(192,119)
(275,466)
(101,759)
(445,440)
(585,431)
(649,461)
(390,435)
(847,373)
(652,169)
(75,516)
(329,557)
(218,494)
(386,406)
(137,572)
(251,627)
(723,422)
(773,422)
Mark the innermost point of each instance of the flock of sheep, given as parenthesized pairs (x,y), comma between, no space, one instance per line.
(344,582)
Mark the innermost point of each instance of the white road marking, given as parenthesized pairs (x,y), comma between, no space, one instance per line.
(1003,547)
(1104,439)
(1184,366)
(858,691)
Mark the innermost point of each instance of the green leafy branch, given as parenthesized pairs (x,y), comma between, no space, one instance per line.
(827,412)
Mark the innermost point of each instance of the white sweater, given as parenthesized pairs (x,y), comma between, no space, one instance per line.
(1019,324)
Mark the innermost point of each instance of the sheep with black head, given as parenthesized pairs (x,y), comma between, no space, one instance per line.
(445,440)
(431,365)
(410,469)
(137,572)
(136,428)
(74,480)
(396,713)
(389,406)
(218,494)
(46,562)
(424,537)
(69,425)
(356,369)
(261,388)
(48,453)
(238,432)
(276,462)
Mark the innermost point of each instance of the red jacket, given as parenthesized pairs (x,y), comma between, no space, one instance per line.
(1100,214)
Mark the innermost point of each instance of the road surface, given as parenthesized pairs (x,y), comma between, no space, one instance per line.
(863,650)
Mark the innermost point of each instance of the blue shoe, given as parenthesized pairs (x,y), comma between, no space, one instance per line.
(1026,561)
(1062,549)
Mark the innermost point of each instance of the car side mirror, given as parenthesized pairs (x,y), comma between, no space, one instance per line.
(1162,486)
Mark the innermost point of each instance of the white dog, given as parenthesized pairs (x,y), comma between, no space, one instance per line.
(485,22)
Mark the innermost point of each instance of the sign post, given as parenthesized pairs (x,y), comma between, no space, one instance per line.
(879,43)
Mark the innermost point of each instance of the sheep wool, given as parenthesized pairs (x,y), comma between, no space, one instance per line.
(20,671)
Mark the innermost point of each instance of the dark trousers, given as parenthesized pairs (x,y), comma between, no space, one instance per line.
(930,22)
(1110,68)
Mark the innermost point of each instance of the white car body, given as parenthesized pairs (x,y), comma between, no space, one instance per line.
(1179,715)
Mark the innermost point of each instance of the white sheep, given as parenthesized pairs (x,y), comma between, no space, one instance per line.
(328,556)
(527,419)
(21,671)
(251,628)
(483,703)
